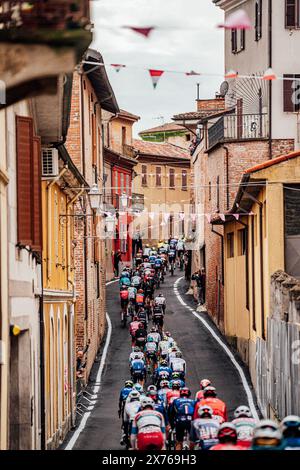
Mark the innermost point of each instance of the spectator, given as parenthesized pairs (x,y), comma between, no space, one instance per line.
(200,278)
(117,260)
(80,365)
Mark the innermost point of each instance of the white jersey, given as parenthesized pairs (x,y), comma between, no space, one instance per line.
(160,300)
(146,251)
(136,280)
(245,428)
(136,356)
(131,409)
(151,347)
(156,337)
(177,364)
(132,292)
(163,346)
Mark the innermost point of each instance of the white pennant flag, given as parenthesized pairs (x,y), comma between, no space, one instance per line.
(151,215)
(237,216)
(222,217)
(208,216)
(166,216)
(181,216)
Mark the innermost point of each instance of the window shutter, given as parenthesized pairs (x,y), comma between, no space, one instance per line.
(172,178)
(144,175)
(184,180)
(288,105)
(36,196)
(291,13)
(158,176)
(243,40)
(234,40)
(24,153)
(94,139)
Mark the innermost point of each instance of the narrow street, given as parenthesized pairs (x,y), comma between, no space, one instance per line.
(204,356)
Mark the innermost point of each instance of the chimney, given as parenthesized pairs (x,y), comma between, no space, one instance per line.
(216,104)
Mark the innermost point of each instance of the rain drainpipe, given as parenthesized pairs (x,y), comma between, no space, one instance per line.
(227,175)
(270,51)
(222,264)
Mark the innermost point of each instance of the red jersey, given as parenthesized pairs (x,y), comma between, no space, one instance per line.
(124,294)
(134,326)
(217,405)
(171,395)
(139,298)
(227,447)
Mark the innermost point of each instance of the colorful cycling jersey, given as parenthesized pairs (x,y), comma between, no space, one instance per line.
(217,405)
(183,409)
(147,421)
(151,347)
(131,410)
(180,245)
(124,281)
(136,280)
(205,432)
(138,365)
(164,370)
(134,326)
(172,254)
(124,393)
(132,293)
(158,262)
(245,428)
(152,259)
(163,346)
(139,299)
(160,300)
(155,336)
(136,356)
(177,364)
(124,294)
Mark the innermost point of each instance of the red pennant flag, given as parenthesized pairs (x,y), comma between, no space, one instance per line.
(193,217)
(143,31)
(155,76)
(237,20)
(118,67)
(191,73)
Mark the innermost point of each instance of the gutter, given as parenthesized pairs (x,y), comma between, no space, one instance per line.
(227,175)
(270,25)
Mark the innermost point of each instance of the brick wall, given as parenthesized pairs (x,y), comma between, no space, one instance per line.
(217,103)
(73,142)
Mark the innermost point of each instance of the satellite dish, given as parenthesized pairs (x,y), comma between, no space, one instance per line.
(224,89)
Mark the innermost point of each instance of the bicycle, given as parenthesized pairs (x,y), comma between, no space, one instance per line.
(124,315)
(171,443)
(172,267)
(186,441)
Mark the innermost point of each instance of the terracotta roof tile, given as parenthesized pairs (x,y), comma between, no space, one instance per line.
(272,162)
(161,149)
(129,115)
(170,126)
(198,114)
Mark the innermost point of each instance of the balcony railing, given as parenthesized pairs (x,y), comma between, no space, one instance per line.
(19,18)
(238,127)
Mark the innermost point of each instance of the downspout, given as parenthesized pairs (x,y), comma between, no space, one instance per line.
(42,369)
(222,263)
(49,250)
(270,59)
(227,175)
(262,271)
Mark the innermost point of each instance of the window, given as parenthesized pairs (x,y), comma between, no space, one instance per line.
(127,189)
(187,137)
(292,13)
(230,245)
(158,176)
(144,175)
(292,229)
(123,136)
(184,180)
(122,183)
(291,93)
(242,242)
(172,178)
(242,40)
(258,20)
(234,47)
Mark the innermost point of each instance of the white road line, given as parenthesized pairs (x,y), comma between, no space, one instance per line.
(226,349)
(96,388)
(111,282)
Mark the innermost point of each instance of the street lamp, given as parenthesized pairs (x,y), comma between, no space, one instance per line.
(94,197)
(124,200)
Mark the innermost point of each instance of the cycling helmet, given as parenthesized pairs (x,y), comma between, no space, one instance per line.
(205,383)
(153,329)
(185,392)
(152,394)
(138,387)
(141,325)
(152,387)
(133,396)
(267,424)
(227,433)
(174,349)
(205,412)
(209,392)
(290,426)
(140,291)
(168,334)
(243,412)
(178,354)
(175,375)
(160,295)
(136,349)
(164,384)
(176,385)
(266,437)
(147,402)
(163,374)
(129,383)
(164,363)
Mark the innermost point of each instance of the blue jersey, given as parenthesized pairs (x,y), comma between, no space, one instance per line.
(159,406)
(124,281)
(124,393)
(137,365)
(158,262)
(183,409)
(152,259)
(182,382)
(162,369)
(291,443)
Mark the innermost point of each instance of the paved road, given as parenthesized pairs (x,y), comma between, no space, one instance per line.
(204,356)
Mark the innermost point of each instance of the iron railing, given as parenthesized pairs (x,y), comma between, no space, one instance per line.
(44,14)
(238,127)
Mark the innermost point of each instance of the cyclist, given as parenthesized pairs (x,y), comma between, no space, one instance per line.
(124,297)
(173,393)
(203,384)
(151,352)
(162,372)
(290,428)
(177,376)
(155,335)
(124,279)
(172,257)
(139,299)
(161,301)
(149,287)
(138,370)
(158,316)
(245,425)
(146,252)
(132,406)
(177,364)
(136,280)
(159,405)
(136,354)
(148,430)
(140,336)
(217,405)
(152,259)
(204,430)
(267,436)
(123,395)
(180,251)
(181,415)
(134,326)
(132,291)
(163,347)
(142,316)
(138,259)
(164,388)
(227,436)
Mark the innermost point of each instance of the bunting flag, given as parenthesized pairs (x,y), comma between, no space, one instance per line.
(231,74)
(237,20)
(151,215)
(155,76)
(223,217)
(237,216)
(118,67)
(269,75)
(143,31)
(166,216)
(181,215)
(208,216)
(193,217)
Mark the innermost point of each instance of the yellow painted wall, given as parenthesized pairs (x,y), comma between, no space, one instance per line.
(116,133)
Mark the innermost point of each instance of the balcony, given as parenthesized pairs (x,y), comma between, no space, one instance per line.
(40,40)
(238,127)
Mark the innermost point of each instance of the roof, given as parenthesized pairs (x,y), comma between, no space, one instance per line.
(274,161)
(100,82)
(161,149)
(199,115)
(111,156)
(128,115)
(168,127)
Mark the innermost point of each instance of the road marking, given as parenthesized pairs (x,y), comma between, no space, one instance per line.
(87,414)
(226,349)
(111,282)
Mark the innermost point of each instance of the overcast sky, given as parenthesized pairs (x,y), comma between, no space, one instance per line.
(189,41)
